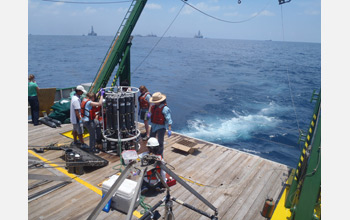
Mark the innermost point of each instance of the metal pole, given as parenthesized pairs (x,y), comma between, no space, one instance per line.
(110,193)
(148,213)
(136,193)
(189,188)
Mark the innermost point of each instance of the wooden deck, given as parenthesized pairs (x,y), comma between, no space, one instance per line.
(235,182)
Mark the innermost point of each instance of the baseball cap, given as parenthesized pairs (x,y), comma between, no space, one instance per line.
(81,88)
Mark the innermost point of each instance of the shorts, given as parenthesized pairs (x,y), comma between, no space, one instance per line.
(143,115)
(77,128)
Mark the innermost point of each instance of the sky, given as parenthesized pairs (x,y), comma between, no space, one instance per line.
(298,21)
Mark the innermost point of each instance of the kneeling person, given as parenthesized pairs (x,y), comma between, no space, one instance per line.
(150,180)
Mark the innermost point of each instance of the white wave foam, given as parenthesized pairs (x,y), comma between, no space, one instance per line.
(250,151)
(239,126)
(231,129)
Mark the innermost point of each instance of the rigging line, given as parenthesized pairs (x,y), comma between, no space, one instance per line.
(289,85)
(275,142)
(73,2)
(159,39)
(219,19)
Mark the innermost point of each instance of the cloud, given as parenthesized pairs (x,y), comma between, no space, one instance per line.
(153,6)
(231,14)
(122,10)
(312,12)
(263,13)
(89,10)
(200,6)
(173,9)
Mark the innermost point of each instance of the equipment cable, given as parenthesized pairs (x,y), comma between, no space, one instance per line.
(275,142)
(227,21)
(289,84)
(159,39)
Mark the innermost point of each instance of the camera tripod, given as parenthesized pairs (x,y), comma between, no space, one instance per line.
(152,213)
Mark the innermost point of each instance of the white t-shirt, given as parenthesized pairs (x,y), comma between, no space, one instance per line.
(74,104)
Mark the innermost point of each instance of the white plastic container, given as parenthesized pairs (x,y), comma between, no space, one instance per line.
(129,156)
(121,200)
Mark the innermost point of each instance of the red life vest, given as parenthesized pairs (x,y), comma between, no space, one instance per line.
(92,113)
(143,102)
(150,176)
(157,116)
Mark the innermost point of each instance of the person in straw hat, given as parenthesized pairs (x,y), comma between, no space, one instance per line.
(160,119)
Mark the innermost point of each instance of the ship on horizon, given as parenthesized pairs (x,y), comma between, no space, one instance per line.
(199,35)
(92,33)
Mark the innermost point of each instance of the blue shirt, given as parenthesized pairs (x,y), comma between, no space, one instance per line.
(167,115)
(88,107)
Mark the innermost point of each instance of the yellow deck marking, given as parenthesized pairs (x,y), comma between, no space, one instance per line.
(281,213)
(68,134)
(88,185)
(191,181)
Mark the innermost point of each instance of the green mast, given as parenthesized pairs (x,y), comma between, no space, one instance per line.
(304,193)
(119,51)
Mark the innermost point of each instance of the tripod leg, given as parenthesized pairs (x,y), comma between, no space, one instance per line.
(147,214)
(189,188)
(163,182)
(136,193)
(110,193)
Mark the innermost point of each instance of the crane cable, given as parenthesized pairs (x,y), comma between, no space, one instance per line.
(289,84)
(227,21)
(159,39)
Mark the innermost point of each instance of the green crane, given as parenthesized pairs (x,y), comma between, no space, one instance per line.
(119,51)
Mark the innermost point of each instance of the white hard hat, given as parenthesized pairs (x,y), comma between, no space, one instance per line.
(152,142)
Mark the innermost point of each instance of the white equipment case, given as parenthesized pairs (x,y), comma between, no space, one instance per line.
(121,200)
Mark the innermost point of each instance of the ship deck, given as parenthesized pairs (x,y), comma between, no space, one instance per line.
(235,182)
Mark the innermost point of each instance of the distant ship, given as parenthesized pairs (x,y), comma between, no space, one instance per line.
(151,35)
(199,35)
(92,33)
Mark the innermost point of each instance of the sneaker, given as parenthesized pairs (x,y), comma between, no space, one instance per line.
(158,189)
(145,138)
(144,190)
(95,151)
(84,146)
(76,142)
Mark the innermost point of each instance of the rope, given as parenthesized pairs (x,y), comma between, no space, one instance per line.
(228,186)
(159,39)
(219,19)
(289,84)
(275,142)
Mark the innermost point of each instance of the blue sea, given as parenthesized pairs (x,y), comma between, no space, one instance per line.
(253,96)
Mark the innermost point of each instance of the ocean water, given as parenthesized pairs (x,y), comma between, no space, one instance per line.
(249,95)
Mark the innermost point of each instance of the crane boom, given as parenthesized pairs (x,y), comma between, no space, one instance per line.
(119,49)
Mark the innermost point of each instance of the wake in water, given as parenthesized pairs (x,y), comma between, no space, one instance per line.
(236,127)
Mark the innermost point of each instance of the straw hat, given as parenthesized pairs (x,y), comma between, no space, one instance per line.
(157,97)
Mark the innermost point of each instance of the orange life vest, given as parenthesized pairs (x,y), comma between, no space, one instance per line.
(157,116)
(92,113)
(143,102)
(150,176)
